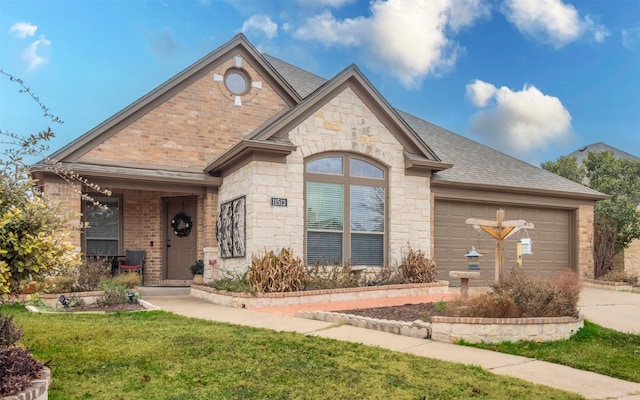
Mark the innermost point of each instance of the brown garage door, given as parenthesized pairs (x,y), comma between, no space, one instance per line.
(552,243)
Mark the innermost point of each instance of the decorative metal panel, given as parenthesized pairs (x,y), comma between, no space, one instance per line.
(231,228)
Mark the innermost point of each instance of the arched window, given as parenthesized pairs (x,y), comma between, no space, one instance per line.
(345,210)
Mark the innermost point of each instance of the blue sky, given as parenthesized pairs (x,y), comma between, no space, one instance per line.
(536,79)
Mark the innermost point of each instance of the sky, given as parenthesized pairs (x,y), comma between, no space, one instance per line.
(535,79)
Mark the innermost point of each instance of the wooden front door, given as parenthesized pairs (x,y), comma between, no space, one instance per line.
(182,248)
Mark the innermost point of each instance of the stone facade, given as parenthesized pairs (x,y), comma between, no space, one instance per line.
(344,124)
(496,330)
(584,239)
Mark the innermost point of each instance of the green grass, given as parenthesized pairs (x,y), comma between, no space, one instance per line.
(593,348)
(158,355)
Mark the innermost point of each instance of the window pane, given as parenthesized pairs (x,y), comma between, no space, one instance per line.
(366,249)
(324,206)
(324,247)
(326,165)
(103,223)
(367,208)
(102,247)
(364,169)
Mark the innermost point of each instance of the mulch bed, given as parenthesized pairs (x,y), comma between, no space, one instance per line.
(406,312)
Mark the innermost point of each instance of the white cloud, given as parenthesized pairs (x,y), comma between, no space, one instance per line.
(480,92)
(23,29)
(30,54)
(552,21)
(331,32)
(520,121)
(261,23)
(410,39)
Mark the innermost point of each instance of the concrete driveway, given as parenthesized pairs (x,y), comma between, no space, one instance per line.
(615,310)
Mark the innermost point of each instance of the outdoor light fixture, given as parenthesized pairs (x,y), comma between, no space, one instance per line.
(64,301)
(131,296)
(474,257)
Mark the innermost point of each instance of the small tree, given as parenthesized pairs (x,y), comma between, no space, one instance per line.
(617,220)
(33,231)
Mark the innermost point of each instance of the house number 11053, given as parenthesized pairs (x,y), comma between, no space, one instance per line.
(278,202)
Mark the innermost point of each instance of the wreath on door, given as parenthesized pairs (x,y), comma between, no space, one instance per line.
(181,224)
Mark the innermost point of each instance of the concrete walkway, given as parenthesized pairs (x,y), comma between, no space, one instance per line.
(615,310)
(588,384)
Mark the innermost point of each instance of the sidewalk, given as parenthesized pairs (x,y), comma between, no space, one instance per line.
(588,384)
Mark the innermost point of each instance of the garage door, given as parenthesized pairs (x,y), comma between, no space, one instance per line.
(552,243)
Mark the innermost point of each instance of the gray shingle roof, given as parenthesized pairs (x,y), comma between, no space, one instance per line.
(581,153)
(473,163)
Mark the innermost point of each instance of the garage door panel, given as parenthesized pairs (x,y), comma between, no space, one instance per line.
(453,239)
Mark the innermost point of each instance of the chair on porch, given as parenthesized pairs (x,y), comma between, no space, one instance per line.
(133,261)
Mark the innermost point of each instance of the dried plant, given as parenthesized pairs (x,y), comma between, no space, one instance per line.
(416,267)
(322,276)
(617,275)
(271,273)
(10,333)
(540,296)
(490,305)
(94,270)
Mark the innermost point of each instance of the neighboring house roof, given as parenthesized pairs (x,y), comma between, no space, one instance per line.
(456,160)
(582,153)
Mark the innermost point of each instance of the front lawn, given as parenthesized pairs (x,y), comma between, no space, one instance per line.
(593,348)
(158,355)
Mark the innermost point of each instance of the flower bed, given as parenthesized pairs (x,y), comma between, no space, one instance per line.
(247,300)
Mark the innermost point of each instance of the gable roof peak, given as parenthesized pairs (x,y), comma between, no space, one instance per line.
(92,138)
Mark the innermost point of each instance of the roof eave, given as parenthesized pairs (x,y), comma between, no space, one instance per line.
(595,196)
(245,149)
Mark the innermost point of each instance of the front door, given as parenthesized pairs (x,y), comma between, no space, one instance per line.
(181,236)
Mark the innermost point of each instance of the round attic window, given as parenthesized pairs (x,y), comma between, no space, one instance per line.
(237,81)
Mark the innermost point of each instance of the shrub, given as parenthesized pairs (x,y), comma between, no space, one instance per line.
(233,282)
(10,333)
(490,305)
(61,284)
(17,369)
(620,276)
(416,267)
(538,296)
(129,280)
(386,275)
(91,274)
(322,276)
(113,293)
(270,273)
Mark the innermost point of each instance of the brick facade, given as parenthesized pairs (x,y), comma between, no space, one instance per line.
(187,131)
(194,126)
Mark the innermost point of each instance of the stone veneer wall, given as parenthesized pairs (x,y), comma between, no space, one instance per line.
(584,240)
(343,124)
(496,330)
